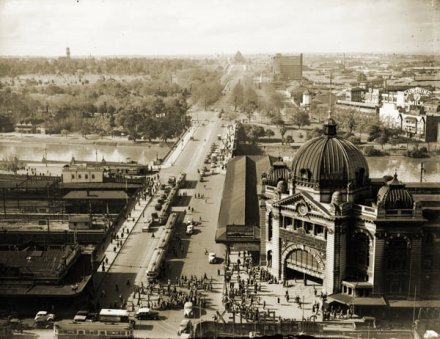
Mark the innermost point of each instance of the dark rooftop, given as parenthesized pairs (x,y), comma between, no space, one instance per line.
(96,195)
(239,204)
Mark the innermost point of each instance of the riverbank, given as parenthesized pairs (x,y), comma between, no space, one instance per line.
(75,138)
(35,147)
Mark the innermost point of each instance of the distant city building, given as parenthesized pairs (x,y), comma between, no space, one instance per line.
(414,111)
(360,98)
(25,128)
(355,94)
(30,127)
(68,52)
(287,67)
(82,173)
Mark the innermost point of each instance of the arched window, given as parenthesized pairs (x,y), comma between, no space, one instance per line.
(305,174)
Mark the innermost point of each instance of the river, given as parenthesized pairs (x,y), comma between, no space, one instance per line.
(84,152)
(408,169)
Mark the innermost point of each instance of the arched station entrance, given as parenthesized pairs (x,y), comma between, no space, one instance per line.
(302,263)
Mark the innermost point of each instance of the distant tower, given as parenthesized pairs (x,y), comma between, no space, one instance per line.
(68,52)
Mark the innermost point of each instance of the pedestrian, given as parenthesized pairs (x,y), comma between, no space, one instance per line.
(152,235)
(218,272)
(278,299)
(264,304)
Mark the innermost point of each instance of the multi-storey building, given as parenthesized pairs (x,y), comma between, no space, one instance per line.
(413,112)
(287,67)
(325,221)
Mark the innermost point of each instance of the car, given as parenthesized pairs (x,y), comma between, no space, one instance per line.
(188,310)
(172,180)
(81,316)
(44,315)
(43,323)
(144,313)
(92,316)
(147,225)
(190,229)
(212,258)
(185,326)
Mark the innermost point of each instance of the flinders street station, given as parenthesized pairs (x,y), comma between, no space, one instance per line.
(371,243)
(368,244)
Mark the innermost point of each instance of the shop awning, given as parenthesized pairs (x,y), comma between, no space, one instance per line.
(356,301)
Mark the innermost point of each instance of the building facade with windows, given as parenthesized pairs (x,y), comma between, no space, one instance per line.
(368,245)
(414,112)
(82,173)
(287,67)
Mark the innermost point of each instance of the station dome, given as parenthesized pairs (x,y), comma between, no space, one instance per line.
(278,171)
(328,161)
(394,195)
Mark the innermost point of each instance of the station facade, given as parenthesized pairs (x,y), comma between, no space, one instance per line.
(322,219)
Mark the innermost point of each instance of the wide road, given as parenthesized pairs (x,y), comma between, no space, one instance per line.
(193,260)
(132,260)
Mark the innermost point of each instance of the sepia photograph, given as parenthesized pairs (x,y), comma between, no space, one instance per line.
(219,169)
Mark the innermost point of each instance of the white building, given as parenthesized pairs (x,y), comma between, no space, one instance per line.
(82,173)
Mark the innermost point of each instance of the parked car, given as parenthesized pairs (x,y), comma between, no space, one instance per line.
(188,310)
(81,316)
(185,327)
(144,313)
(172,180)
(44,315)
(212,258)
(190,229)
(147,225)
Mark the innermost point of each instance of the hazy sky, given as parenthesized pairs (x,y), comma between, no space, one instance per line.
(155,27)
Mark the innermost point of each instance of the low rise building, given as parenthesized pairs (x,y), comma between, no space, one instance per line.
(82,173)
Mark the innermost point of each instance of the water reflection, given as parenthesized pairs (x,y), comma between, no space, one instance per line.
(408,169)
(88,152)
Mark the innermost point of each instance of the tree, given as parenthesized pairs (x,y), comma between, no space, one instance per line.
(12,164)
(237,95)
(350,122)
(373,132)
(301,118)
(65,132)
(269,133)
(382,139)
(279,122)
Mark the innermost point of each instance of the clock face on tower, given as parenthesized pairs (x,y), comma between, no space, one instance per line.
(302,209)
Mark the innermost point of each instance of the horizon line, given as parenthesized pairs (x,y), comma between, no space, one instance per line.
(83,56)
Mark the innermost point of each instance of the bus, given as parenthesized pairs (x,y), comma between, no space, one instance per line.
(113,315)
(69,329)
